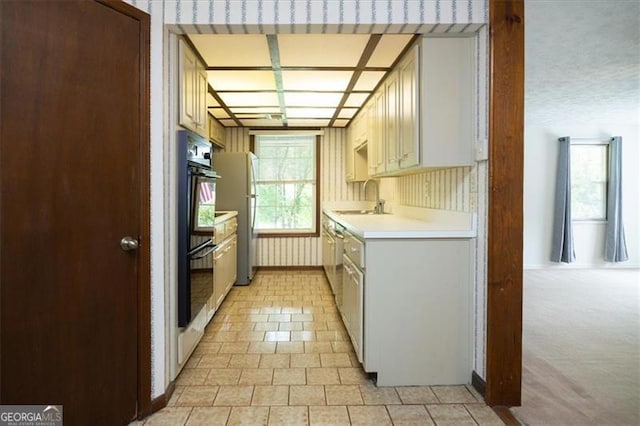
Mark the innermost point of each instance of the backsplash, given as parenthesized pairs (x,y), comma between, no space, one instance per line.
(447,189)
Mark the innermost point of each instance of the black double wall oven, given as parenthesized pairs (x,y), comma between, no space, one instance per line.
(196,198)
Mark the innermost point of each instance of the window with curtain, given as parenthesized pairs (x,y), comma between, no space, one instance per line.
(589,182)
(286,180)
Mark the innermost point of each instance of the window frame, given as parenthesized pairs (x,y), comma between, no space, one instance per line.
(295,233)
(604,218)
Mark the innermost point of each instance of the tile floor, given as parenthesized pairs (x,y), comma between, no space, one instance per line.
(277,353)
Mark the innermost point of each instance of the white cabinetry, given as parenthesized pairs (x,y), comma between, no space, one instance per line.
(224,262)
(392,118)
(417,311)
(377,134)
(446,102)
(408,117)
(407,305)
(216,132)
(422,115)
(355,152)
(193,91)
(353,292)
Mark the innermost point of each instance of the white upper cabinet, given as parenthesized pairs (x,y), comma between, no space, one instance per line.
(193,91)
(408,111)
(355,149)
(393,118)
(422,115)
(447,101)
(377,134)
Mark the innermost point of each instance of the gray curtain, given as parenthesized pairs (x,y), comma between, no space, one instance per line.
(615,246)
(563,249)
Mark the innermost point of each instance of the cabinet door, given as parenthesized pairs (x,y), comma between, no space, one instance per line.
(188,86)
(392,91)
(377,136)
(347,271)
(408,112)
(201,100)
(230,256)
(219,285)
(447,101)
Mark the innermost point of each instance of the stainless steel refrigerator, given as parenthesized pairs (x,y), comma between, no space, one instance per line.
(236,190)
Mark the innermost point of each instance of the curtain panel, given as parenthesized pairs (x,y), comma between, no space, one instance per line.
(563,249)
(615,245)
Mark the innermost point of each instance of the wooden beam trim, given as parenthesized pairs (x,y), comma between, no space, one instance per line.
(505,214)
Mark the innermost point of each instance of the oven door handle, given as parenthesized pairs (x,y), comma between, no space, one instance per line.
(211,246)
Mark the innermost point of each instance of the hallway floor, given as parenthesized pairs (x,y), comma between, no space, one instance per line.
(277,353)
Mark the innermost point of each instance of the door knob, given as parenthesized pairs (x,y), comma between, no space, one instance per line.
(129,243)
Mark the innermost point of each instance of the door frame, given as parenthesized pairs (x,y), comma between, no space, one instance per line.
(505,203)
(144,403)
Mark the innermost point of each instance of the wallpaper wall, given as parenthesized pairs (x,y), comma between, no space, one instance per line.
(299,16)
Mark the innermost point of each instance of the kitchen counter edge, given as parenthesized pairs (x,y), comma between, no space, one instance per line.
(392,226)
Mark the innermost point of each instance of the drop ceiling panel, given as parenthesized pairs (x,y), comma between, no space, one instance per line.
(232,49)
(249,99)
(311,99)
(241,80)
(388,49)
(368,80)
(356,99)
(321,50)
(347,112)
(315,80)
(218,113)
(310,112)
(258,110)
(340,123)
(304,122)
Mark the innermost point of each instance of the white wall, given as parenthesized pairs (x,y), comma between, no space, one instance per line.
(582,68)
(541,152)
(242,16)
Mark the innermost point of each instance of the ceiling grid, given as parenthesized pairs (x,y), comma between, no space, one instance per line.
(294,80)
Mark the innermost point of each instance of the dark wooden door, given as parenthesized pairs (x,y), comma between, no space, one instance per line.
(72,166)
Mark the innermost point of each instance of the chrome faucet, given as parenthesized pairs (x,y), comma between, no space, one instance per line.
(379,207)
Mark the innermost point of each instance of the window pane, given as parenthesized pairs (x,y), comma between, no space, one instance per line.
(285,177)
(589,182)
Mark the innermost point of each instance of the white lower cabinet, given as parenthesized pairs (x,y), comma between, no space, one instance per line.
(407,308)
(225,258)
(224,272)
(352,295)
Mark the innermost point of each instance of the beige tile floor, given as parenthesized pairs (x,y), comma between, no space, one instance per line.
(277,353)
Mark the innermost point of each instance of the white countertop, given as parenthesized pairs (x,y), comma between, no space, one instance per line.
(431,224)
(225,216)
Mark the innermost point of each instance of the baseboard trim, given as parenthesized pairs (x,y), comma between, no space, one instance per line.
(503,412)
(506,415)
(161,401)
(290,268)
(478,383)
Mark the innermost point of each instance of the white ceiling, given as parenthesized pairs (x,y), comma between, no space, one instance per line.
(582,62)
(314,80)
